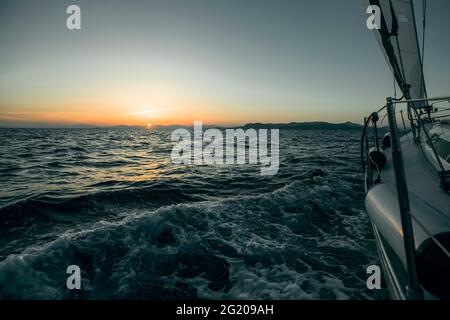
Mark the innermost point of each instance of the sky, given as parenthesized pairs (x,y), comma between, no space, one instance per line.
(222,62)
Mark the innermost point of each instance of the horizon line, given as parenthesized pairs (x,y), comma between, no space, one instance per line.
(87,126)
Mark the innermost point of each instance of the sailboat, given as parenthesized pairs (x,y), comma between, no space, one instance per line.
(407,166)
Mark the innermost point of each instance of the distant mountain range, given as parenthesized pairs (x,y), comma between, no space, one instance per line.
(284,126)
(317,125)
(305,125)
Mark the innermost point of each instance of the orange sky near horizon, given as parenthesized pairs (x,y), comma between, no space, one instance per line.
(102,115)
(140,103)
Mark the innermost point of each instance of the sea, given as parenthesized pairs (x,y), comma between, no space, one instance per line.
(138,226)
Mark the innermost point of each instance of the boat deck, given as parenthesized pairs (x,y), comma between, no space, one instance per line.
(428,201)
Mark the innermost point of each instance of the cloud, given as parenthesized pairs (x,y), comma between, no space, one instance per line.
(148,111)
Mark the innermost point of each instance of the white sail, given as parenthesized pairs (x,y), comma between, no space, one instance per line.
(399,41)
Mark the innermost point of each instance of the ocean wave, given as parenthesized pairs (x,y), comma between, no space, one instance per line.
(60,204)
(300,241)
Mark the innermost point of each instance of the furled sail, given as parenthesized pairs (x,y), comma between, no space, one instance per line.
(399,41)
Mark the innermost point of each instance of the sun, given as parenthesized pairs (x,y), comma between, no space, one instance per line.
(149,125)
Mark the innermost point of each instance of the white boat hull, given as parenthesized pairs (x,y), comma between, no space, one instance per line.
(430,210)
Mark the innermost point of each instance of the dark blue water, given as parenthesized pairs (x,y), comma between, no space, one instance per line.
(111,201)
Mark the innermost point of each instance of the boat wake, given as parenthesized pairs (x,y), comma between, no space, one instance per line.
(302,241)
